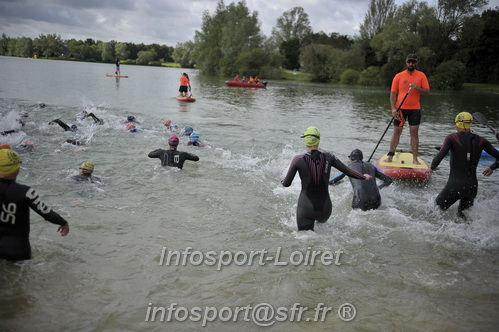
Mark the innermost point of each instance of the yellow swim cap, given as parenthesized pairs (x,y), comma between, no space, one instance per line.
(87,167)
(311,136)
(10,162)
(464,120)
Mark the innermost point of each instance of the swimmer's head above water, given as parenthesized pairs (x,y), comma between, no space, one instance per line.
(311,136)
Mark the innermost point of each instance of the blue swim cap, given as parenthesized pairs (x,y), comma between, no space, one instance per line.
(130,118)
(188,129)
(74,127)
(194,137)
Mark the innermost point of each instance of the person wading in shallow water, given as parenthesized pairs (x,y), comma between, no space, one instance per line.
(15,202)
(314,168)
(466,150)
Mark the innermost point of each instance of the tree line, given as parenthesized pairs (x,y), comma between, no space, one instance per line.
(456,41)
(52,46)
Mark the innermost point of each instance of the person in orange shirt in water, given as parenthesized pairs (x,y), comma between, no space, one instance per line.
(417,82)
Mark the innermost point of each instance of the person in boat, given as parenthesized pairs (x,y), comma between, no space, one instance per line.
(185,83)
(466,149)
(117,66)
(172,157)
(194,140)
(85,174)
(366,194)
(411,109)
(64,125)
(236,78)
(257,80)
(252,79)
(314,168)
(245,79)
(15,203)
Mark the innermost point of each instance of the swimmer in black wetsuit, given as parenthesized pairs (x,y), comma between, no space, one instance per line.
(466,150)
(86,170)
(63,125)
(15,201)
(314,168)
(365,193)
(172,157)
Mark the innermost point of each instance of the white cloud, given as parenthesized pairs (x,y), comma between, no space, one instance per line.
(162,21)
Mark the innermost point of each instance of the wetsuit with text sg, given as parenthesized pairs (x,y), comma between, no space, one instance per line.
(314,202)
(15,203)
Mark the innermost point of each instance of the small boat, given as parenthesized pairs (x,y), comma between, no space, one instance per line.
(402,167)
(242,84)
(189,99)
(119,76)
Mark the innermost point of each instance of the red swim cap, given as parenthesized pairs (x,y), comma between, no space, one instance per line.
(173,140)
(168,122)
(130,126)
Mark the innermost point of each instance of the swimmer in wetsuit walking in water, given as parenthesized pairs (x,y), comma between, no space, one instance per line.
(466,149)
(172,157)
(314,168)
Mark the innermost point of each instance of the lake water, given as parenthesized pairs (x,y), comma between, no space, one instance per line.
(405,266)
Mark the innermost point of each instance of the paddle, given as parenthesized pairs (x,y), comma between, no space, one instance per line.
(398,109)
(190,91)
(481,119)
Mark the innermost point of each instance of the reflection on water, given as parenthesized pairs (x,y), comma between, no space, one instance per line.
(404,265)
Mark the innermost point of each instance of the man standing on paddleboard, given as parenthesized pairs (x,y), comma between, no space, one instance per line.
(407,87)
(466,148)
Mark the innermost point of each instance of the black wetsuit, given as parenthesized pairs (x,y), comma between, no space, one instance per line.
(15,201)
(462,185)
(96,119)
(314,202)
(172,157)
(365,193)
(64,126)
(85,178)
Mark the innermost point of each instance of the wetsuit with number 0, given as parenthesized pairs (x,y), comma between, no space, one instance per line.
(172,157)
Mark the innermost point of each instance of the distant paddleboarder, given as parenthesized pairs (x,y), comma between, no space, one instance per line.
(185,83)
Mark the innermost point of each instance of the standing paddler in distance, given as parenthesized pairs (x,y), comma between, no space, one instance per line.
(407,106)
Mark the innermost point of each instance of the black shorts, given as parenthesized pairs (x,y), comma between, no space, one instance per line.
(414,117)
(183,88)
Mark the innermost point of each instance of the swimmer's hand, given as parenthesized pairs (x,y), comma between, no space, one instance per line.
(368,177)
(64,229)
(488,171)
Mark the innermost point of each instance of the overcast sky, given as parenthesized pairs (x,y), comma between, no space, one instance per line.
(165,22)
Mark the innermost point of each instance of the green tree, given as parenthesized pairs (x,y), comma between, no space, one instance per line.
(448,75)
(293,24)
(371,76)
(49,45)
(350,77)
(290,50)
(223,36)
(108,54)
(380,12)
(121,51)
(24,47)
(182,54)
(144,57)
